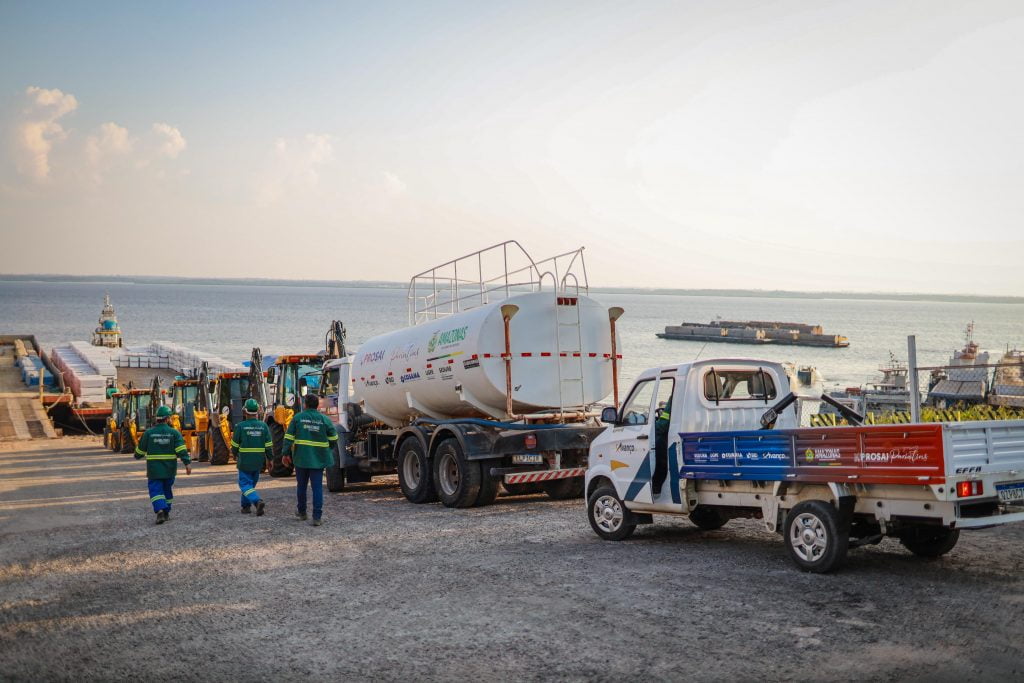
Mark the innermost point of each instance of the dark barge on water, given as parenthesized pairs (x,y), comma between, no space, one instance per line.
(755,332)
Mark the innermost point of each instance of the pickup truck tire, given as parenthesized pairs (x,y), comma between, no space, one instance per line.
(414,475)
(815,539)
(930,541)
(564,489)
(456,479)
(707,518)
(608,515)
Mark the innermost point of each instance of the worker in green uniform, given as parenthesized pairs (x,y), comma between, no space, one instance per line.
(161,445)
(252,446)
(310,442)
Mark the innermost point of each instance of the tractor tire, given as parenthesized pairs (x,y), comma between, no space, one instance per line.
(221,454)
(814,537)
(930,542)
(278,468)
(127,444)
(106,438)
(115,442)
(202,447)
(609,517)
(456,478)
(564,489)
(707,518)
(521,489)
(414,476)
(489,486)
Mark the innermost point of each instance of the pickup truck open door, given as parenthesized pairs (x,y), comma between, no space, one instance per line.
(632,443)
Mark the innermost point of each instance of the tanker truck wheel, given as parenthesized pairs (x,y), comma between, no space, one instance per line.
(564,489)
(414,475)
(521,489)
(456,479)
(488,485)
(221,454)
(335,473)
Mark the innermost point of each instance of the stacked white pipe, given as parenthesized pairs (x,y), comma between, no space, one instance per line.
(86,375)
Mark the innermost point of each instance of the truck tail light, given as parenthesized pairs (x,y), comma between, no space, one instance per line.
(965,489)
(530,441)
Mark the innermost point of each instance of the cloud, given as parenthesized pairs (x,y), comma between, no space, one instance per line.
(111,141)
(295,166)
(37,134)
(171,141)
(393,185)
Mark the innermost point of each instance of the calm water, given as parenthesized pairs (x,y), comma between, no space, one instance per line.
(230,320)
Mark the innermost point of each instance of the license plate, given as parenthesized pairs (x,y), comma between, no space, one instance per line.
(528,459)
(1012,493)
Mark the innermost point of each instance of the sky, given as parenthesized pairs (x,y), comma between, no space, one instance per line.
(853,146)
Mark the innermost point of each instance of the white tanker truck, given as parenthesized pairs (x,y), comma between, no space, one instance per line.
(495,381)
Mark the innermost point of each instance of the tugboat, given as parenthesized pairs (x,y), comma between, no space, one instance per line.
(965,380)
(889,395)
(108,332)
(1008,382)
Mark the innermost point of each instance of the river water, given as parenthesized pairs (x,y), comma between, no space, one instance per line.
(229,320)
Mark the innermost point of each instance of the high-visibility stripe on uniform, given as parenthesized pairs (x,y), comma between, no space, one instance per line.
(181,448)
(252,450)
(269,444)
(234,444)
(289,437)
(162,456)
(304,442)
(156,498)
(332,438)
(139,451)
(248,491)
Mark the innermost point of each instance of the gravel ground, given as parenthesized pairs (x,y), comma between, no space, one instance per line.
(90,589)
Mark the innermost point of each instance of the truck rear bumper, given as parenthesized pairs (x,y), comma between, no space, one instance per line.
(991,520)
(537,475)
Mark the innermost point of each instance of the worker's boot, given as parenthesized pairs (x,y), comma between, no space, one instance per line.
(259,508)
(301,516)
(161,517)
(246,510)
(317,522)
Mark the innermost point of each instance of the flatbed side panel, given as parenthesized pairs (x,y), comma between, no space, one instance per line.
(882,454)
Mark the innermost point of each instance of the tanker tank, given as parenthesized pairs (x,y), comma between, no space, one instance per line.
(453,366)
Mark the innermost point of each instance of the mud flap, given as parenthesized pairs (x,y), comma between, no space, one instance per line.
(846,505)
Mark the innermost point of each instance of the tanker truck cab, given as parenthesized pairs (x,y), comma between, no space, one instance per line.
(640,451)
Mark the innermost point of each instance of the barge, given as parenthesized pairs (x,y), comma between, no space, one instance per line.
(755,332)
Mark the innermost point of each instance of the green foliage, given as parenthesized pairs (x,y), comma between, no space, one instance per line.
(928,414)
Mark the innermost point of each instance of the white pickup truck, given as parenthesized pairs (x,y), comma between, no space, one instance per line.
(716,440)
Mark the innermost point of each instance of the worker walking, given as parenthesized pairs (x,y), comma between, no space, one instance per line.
(161,445)
(311,437)
(252,446)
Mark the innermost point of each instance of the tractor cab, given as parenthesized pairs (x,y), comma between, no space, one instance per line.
(294,376)
(118,415)
(230,394)
(139,414)
(184,395)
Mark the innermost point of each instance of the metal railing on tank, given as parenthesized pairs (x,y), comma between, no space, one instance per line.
(489,275)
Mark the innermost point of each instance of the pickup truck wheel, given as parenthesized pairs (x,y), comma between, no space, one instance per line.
(414,476)
(564,489)
(707,518)
(456,479)
(814,538)
(608,515)
(930,541)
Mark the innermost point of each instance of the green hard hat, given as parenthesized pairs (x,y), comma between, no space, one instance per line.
(251,406)
(163,411)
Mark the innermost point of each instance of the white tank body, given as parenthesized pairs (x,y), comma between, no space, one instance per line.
(453,366)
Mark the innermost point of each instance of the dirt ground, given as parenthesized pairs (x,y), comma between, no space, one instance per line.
(90,589)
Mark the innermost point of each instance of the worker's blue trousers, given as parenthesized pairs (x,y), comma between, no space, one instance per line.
(314,478)
(247,482)
(160,494)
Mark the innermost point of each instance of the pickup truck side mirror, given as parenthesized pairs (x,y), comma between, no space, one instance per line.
(609,415)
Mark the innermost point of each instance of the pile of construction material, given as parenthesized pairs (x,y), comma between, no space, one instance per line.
(30,365)
(185,359)
(87,370)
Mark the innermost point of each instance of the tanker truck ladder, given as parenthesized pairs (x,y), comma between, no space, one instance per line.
(569,339)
